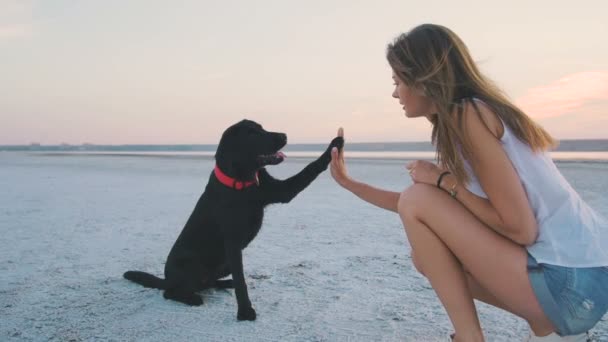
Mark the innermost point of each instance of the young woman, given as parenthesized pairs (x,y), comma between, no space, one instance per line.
(493,220)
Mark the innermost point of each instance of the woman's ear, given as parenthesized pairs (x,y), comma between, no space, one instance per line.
(423,91)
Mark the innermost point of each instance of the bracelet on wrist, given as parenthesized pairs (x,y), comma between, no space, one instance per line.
(453,192)
(443,174)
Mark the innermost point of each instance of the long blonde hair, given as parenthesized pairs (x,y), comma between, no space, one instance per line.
(434,59)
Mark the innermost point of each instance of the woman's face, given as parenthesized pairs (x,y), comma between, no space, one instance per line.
(414,102)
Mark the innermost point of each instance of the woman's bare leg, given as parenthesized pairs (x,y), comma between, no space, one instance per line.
(477,291)
(446,237)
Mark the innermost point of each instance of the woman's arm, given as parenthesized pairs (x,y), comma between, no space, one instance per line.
(481,207)
(378,197)
(507,209)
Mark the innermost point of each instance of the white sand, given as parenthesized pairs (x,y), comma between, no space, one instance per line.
(326,267)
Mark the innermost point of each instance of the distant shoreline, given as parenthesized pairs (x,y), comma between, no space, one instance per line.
(575,145)
(561,157)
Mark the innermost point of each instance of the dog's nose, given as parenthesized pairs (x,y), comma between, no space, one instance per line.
(282,137)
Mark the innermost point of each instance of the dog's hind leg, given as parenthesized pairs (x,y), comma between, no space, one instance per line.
(216,280)
(182,288)
(224,284)
(217,284)
(222,272)
(184,295)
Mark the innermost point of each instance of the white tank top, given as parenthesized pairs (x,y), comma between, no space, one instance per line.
(571,234)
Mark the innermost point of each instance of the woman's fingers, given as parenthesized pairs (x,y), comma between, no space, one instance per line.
(341,152)
(335,159)
(334,154)
(335,166)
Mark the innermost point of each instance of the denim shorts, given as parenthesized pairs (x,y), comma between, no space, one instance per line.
(574,299)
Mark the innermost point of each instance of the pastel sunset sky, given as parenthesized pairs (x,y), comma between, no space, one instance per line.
(180,72)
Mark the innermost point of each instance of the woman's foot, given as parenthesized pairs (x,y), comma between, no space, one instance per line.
(452,338)
(553,337)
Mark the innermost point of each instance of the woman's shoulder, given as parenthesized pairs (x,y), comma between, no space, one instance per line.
(477,110)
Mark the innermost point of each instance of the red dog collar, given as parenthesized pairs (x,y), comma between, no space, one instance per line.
(233,183)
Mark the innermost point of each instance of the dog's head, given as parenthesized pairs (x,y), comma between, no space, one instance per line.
(246,147)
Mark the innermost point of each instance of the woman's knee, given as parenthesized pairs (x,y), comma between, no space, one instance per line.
(412,201)
(416,262)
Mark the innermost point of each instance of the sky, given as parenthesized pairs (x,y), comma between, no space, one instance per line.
(180,72)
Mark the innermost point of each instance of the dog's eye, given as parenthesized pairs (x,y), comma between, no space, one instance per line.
(252,131)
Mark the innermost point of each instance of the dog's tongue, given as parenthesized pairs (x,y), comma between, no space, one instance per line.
(281,154)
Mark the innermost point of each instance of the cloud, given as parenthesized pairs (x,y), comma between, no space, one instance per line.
(16,19)
(15,31)
(566,95)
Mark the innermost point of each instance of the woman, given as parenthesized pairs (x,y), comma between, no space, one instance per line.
(494,220)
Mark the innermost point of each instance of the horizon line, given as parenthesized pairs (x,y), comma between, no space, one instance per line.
(215,144)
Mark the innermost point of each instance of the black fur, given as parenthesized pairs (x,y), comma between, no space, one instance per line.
(226,220)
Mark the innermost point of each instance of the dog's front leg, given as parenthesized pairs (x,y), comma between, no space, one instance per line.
(235,260)
(283,191)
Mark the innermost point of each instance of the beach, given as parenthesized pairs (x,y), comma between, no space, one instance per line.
(325,267)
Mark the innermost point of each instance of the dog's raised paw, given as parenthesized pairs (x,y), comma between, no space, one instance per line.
(325,158)
(337,142)
(246,314)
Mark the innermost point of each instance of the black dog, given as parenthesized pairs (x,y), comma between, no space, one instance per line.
(229,215)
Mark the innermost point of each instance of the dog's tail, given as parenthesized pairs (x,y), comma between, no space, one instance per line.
(145,279)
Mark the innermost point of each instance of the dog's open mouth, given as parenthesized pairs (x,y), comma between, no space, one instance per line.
(271,159)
